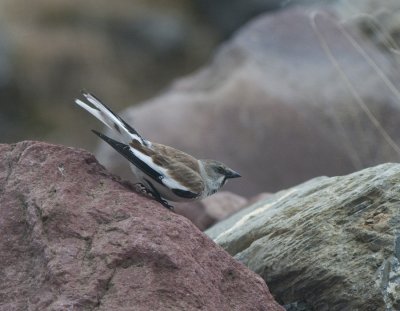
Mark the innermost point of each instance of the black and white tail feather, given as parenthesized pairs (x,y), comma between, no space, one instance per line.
(110,119)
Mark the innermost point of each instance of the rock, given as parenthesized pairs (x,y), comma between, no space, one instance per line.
(273,107)
(380,20)
(223,204)
(228,15)
(327,244)
(210,210)
(259,197)
(195,211)
(73,237)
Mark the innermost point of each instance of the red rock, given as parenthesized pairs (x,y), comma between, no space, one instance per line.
(196,212)
(73,237)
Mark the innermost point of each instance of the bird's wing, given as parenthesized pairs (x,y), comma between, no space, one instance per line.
(180,166)
(158,168)
(98,109)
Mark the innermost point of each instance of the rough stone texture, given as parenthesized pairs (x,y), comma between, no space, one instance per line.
(327,244)
(273,107)
(73,237)
(210,210)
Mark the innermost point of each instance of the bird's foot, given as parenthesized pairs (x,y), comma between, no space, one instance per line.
(142,189)
(154,194)
(165,204)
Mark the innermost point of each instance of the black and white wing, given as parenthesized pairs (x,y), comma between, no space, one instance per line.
(155,171)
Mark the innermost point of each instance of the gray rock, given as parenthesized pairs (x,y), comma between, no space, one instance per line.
(380,20)
(327,244)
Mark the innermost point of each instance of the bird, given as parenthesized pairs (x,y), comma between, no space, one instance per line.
(163,172)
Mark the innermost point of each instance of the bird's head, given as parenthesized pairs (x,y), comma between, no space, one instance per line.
(218,173)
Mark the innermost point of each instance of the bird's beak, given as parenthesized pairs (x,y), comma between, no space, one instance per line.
(232,174)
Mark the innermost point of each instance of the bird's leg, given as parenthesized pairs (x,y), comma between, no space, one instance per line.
(156,195)
(142,189)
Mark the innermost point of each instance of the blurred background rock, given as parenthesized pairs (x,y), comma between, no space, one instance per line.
(125,52)
(128,50)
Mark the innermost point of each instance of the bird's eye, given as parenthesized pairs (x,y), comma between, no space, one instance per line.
(220,170)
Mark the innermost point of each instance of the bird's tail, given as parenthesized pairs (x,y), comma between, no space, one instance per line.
(109,118)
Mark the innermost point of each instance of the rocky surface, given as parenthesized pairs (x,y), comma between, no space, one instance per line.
(327,244)
(212,209)
(273,106)
(73,237)
(380,20)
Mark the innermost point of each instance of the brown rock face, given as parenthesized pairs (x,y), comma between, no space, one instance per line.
(72,237)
